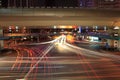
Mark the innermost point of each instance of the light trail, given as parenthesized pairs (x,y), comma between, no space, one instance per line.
(17,59)
(45,52)
(58,62)
(46,42)
(46,67)
(20,60)
(93,53)
(40,59)
(27,61)
(84,52)
(75,49)
(85,67)
(92,69)
(78,49)
(6,76)
(43,57)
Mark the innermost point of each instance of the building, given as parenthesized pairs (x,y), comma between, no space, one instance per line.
(0,3)
(60,3)
(87,3)
(108,3)
(4,3)
(117,4)
(100,3)
(38,3)
(115,37)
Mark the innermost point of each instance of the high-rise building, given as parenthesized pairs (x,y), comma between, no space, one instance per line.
(39,3)
(87,3)
(100,3)
(50,3)
(0,3)
(117,4)
(4,3)
(67,3)
(60,3)
(17,3)
(35,3)
(109,3)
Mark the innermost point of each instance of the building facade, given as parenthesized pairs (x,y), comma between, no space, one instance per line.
(38,3)
(60,3)
(108,3)
(87,3)
(100,3)
(0,3)
(115,34)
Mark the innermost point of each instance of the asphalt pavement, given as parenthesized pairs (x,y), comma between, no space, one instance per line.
(96,46)
(59,60)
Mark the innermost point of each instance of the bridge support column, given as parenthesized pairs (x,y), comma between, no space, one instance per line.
(1,41)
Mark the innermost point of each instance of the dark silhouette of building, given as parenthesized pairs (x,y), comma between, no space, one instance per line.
(109,3)
(88,3)
(49,3)
(39,3)
(4,3)
(0,3)
(60,3)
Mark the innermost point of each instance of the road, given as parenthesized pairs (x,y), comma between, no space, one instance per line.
(58,60)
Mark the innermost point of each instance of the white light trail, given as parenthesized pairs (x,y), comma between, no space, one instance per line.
(46,42)
(93,53)
(6,76)
(44,54)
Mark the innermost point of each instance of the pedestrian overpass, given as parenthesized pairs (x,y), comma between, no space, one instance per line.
(59,16)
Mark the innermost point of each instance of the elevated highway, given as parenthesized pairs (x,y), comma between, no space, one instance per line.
(59,16)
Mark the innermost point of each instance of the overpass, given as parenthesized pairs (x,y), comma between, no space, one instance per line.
(59,16)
